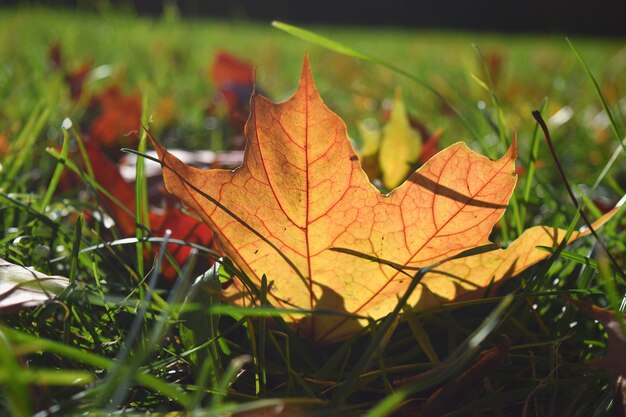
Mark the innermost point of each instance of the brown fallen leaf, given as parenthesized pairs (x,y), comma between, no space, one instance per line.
(301,194)
(448,397)
(25,287)
(614,359)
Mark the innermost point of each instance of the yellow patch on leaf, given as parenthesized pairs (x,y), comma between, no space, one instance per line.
(301,193)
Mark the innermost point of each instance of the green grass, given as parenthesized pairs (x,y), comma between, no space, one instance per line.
(118,341)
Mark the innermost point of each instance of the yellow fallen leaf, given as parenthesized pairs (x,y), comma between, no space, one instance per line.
(400,147)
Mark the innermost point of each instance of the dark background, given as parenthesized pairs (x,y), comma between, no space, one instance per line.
(592,17)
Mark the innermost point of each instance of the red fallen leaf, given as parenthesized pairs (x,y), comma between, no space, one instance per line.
(118,118)
(227,68)
(234,79)
(183,226)
(614,359)
(108,176)
(430,147)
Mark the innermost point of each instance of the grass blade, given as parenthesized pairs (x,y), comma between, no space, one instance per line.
(29,343)
(56,176)
(16,389)
(619,134)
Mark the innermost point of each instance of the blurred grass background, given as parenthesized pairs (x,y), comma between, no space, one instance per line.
(168,58)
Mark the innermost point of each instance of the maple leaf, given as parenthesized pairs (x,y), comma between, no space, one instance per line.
(301,193)
(228,69)
(118,119)
(183,226)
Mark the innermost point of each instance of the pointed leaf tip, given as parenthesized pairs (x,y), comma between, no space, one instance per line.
(306,77)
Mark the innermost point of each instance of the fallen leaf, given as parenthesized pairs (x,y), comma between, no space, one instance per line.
(183,226)
(614,359)
(462,277)
(26,287)
(228,69)
(106,174)
(234,79)
(370,144)
(430,147)
(400,145)
(301,193)
(118,118)
(199,159)
(453,393)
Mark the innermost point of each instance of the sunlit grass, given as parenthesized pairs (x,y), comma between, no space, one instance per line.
(116,340)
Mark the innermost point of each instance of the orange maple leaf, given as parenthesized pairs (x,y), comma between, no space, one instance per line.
(301,193)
